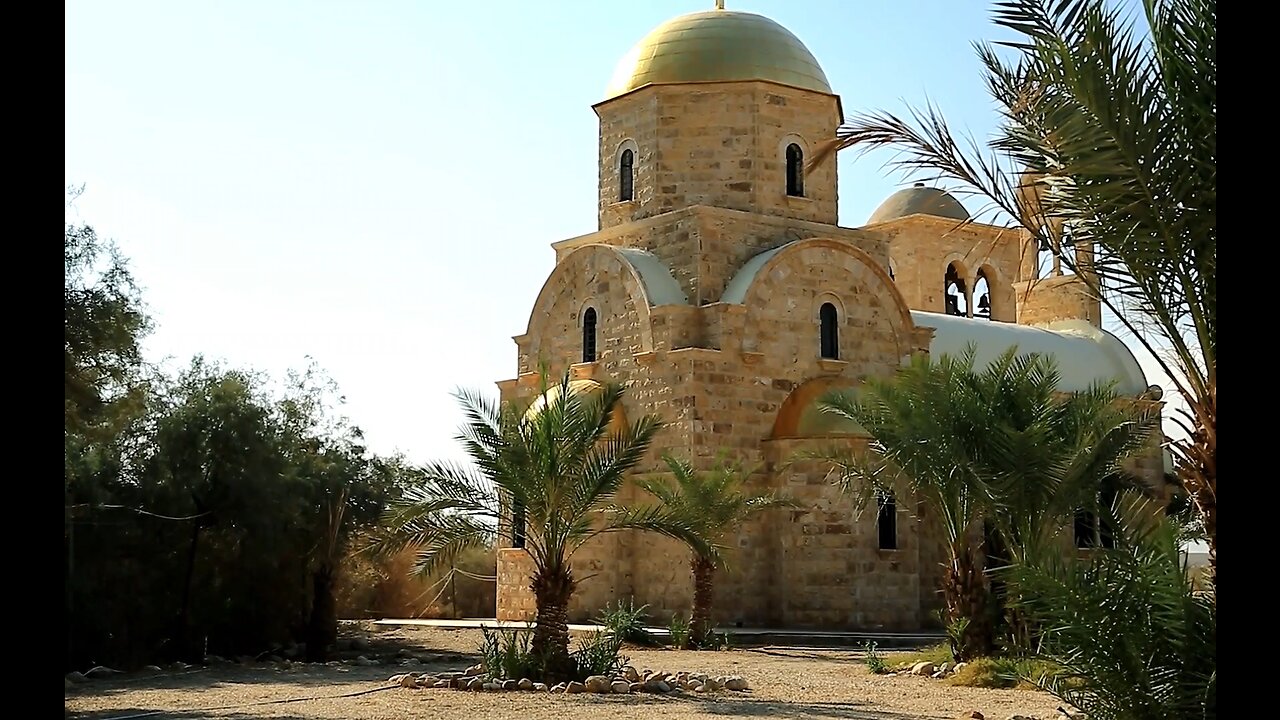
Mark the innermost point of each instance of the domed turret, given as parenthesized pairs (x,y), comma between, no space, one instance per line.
(918,200)
(718,46)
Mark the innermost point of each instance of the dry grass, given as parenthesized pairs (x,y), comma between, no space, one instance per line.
(387,588)
(786,682)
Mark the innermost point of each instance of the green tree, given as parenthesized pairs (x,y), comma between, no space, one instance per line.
(550,474)
(997,449)
(714,504)
(1117,133)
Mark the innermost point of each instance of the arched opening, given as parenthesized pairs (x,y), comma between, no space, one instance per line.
(626,175)
(802,416)
(589,335)
(795,170)
(887,521)
(829,331)
(982,296)
(955,298)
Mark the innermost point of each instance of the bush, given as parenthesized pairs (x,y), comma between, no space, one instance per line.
(597,654)
(874,661)
(679,629)
(936,654)
(509,654)
(627,622)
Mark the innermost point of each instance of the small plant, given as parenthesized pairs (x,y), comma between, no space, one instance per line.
(597,654)
(874,660)
(509,654)
(679,629)
(956,630)
(627,622)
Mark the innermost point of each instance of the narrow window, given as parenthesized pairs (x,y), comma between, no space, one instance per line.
(626,177)
(589,335)
(829,331)
(795,170)
(954,297)
(982,297)
(517,524)
(887,521)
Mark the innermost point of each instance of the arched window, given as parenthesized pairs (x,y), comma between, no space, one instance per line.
(626,174)
(795,170)
(830,332)
(589,335)
(956,302)
(887,521)
(982,297)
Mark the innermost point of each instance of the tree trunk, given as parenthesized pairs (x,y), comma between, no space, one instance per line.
(700,626)
(1200,479)
(552,587)
(968,602)
(183,633)
(322,626)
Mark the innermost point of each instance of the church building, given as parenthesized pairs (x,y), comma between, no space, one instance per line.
(721,289)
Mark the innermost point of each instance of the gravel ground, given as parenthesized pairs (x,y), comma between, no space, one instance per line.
(786,683)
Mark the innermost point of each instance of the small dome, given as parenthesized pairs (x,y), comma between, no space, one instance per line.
(919,200)
(582,388)
(718,46)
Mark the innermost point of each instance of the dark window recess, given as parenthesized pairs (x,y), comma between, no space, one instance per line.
(1093,530)
(830,341)
(589,335)
(887,522)
(953,287)
(517,524)
(795,170)
(626,175)
(982,297)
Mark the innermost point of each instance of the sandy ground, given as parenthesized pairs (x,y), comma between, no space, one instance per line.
(786,683)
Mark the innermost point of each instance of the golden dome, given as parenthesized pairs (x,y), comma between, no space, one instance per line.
(583,388)
(718,46)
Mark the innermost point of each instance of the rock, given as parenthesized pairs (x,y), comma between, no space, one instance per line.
(700,677)
(525,684)
(363,661)
(1073,714)
(395,679)
(974,715)
(621,687)
(660,676)
(946,667)
(473,670)
(682,677)
(713,684)
(636,687)
(559,687)
(510,685)
(449,675)
(1016,716)
(101,671)
(574,688)
(938,675)
(599,684)
(699,687)
(475,684)
(408,681)
(657,686)
(540,687)
(923,668)
(491,687)
(411,661)
(152,668)
(76,677)
(736,683)
(958,667)
(443,684)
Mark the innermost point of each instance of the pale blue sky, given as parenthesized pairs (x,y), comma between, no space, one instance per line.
(376,185)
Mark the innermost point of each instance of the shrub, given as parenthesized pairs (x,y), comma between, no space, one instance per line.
(509,654)
(627,623)
(597,654)
(679,629)
(874,661)
(936,654)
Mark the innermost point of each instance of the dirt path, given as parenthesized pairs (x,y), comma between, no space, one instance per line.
(786,683)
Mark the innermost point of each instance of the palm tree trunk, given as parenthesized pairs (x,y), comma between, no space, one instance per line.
(322,626)
(968,602)
(552,587)
(703,595)
(1200,479)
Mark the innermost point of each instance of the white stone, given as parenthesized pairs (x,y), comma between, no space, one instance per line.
(736,683)
(922,668)
(621,687)
(525,684)
(575,687)
(630,674)
(599,684)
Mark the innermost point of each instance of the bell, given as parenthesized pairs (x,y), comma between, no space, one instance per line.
(984,303)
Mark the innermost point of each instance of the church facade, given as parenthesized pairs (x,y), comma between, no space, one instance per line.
(721,289)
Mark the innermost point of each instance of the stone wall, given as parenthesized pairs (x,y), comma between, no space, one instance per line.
(1051,299)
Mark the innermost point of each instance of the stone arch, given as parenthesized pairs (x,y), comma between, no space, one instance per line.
(771,274)
(598,276)
(800,415)
(956,273)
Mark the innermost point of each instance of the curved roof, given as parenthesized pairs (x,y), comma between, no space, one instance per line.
(918,200)
(736,290)
(718,46)
(1086,355)
(583,388)
(659,285)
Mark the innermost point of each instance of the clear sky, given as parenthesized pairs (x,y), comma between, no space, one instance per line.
(376,185)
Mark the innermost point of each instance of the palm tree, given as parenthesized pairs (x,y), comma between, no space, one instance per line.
(1117,135)
(549,474)
(999,448)
(714,504)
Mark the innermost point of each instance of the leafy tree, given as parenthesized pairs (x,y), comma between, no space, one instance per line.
(552,471)
(998,448)
(1118,134)
(715,505)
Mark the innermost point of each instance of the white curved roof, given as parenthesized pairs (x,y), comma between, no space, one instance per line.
(736,290)
(659,285)
(1086,355)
